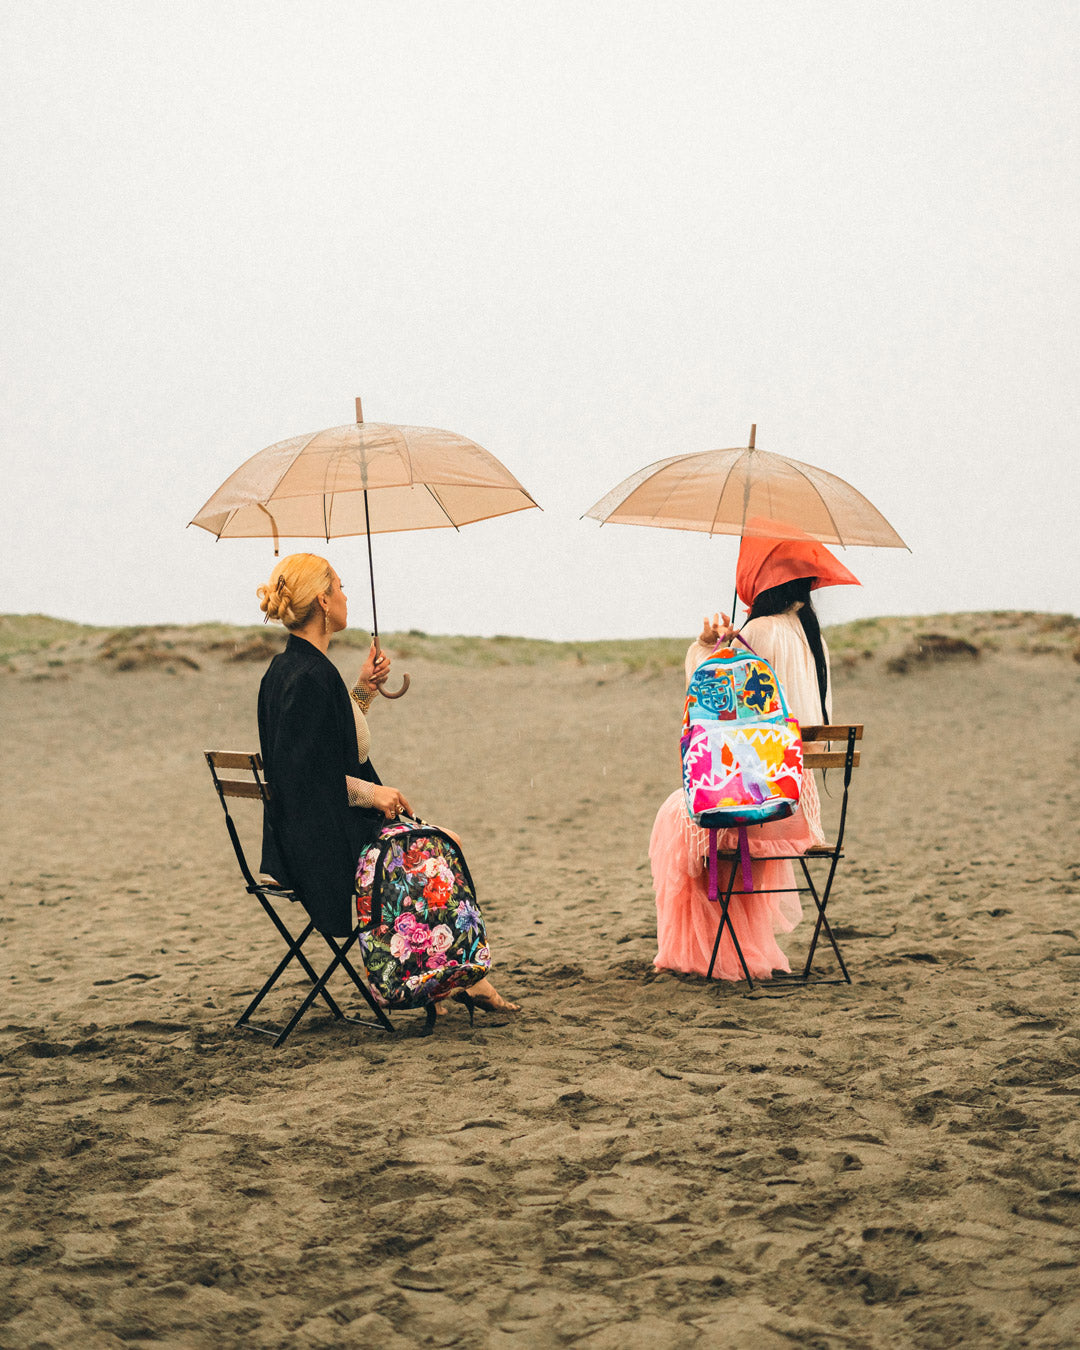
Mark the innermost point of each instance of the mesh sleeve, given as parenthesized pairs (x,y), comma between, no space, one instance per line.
(360,792)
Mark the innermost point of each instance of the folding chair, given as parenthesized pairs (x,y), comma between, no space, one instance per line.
(817,754)
(252,784)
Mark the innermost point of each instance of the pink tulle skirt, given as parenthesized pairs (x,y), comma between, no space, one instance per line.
(687,920)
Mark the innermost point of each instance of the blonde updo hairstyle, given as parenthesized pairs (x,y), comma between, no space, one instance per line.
(292,594)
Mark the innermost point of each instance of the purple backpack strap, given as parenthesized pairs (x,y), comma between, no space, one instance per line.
(744,859)
(743,641)
(713,875)
(732,639)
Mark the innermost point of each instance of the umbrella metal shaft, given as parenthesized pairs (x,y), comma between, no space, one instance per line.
(371,570)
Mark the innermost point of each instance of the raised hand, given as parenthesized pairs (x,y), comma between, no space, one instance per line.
(375,670)
(717,629)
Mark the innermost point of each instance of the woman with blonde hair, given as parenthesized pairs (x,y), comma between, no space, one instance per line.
(327,802)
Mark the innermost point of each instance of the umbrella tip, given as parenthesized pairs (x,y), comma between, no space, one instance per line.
(753,427)
(359,412)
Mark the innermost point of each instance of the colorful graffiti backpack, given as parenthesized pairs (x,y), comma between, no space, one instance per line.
(741,750)
(422,934)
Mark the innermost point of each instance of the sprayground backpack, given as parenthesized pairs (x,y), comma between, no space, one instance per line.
(422,933)
(741,750)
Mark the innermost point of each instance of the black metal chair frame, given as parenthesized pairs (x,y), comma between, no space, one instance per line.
(268,894)
(831,854)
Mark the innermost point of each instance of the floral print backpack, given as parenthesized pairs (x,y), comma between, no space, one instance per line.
(422,932)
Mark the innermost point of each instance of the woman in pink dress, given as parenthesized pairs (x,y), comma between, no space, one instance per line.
(774,579)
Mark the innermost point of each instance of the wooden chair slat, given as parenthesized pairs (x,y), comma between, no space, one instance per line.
(831,731)
(232,759)
(828,759)
(230,787)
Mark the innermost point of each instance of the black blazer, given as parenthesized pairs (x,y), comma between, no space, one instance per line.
(312,837)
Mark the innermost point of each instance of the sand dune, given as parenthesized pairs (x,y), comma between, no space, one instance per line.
(639,1159)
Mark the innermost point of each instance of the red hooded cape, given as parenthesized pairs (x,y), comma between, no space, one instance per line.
(765,562)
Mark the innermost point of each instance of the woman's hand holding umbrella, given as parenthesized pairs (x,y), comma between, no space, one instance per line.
(713,631)
(376,669)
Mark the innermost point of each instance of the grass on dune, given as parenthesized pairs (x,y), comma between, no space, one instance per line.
(60,640)
(1006,630)
(24,635)
(21,633)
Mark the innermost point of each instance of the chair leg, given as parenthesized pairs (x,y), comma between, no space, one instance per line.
(339,956)
(359,981)
(294,953)
(244,1017)
(295,947)
(822,921)
(725,914)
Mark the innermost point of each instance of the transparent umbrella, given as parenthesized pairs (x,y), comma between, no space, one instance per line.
(723,491)
(362,478)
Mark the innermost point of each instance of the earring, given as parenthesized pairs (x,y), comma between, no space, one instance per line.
(326,621)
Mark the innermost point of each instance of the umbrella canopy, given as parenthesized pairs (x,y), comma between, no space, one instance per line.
(364,477)
(722,491)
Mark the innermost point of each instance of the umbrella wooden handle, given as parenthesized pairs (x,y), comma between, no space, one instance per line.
(405,682)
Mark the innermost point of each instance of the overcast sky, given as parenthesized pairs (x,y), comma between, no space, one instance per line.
(588,236)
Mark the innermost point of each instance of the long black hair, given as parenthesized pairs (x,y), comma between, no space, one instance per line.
(778,600)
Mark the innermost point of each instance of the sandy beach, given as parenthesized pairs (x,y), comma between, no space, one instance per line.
(638,1159)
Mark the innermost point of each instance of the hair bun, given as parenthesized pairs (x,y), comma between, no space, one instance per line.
(276,601)
(293,601)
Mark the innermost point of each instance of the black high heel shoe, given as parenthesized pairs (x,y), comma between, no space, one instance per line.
(485,1001)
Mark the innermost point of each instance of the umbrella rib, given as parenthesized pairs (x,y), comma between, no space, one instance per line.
(670,492)
(401,449)
(270,495)
(224,526)
(720,497)
(794,464)
(621,493)
(292,461)
(446,513)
